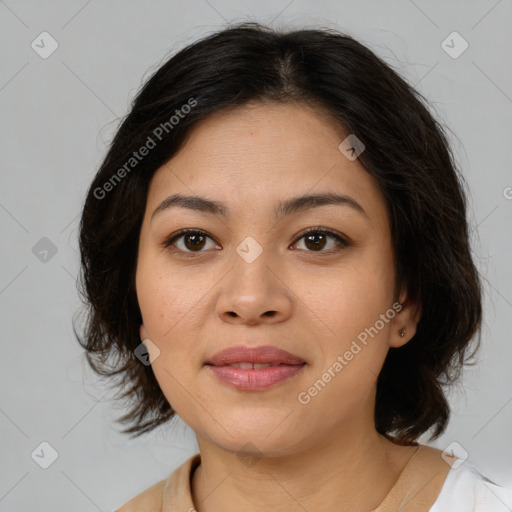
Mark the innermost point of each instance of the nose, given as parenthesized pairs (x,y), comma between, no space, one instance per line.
(255,292)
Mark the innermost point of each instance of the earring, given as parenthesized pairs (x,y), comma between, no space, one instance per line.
(402,332)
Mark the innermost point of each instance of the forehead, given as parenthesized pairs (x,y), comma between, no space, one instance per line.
(259,154)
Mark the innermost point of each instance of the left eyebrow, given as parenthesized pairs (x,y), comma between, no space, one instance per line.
(306,202)
(283,209)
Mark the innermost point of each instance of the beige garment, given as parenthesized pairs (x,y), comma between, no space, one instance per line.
(416,489)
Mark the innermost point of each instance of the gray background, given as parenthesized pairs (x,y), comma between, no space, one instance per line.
(58,115)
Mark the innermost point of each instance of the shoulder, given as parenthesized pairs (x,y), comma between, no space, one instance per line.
(173,493)
(465,488)
(149,500)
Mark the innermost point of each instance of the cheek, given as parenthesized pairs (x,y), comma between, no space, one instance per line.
(173,308)
(164,299)
(167,315)
(343,311)
(344,300)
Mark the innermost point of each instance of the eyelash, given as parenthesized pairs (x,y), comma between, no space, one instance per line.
(318,229)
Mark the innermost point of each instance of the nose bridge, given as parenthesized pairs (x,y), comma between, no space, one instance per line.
(253,231)
(253,288)
(253,261)
(254,242)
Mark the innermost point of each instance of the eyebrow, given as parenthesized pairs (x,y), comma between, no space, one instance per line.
(283,209)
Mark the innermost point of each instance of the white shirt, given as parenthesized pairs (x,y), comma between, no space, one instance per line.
(467,490)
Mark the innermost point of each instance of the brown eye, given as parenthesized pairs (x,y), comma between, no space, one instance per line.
(316,240)
(194,241)
(188,241)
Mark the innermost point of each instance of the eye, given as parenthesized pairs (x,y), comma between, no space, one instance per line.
(315,239)
(193,240)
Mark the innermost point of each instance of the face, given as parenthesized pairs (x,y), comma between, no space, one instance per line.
(316,281)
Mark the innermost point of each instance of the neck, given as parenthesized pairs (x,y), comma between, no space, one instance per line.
(352,469)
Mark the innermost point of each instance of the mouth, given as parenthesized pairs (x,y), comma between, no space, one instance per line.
(255,379)
(253,366)
(263,355)
(254,369)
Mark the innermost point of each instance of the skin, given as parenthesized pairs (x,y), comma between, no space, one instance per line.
(325,455)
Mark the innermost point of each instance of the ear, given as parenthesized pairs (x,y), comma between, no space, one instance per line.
(405,321)
(142,332)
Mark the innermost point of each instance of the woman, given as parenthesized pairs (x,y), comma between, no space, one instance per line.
(275,249)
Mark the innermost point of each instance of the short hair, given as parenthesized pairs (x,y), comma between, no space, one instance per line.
(406,152)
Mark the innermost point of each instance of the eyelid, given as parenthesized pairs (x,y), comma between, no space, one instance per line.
(168,241)
(342,239)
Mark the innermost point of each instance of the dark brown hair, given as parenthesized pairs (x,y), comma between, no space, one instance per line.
(406,152)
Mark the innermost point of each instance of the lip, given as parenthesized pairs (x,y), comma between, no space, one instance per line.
(255,380)
(262,355)
(286,366)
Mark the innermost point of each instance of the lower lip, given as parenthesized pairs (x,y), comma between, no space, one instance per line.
(255,379)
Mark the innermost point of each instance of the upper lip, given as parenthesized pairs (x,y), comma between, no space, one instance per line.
(261,355)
